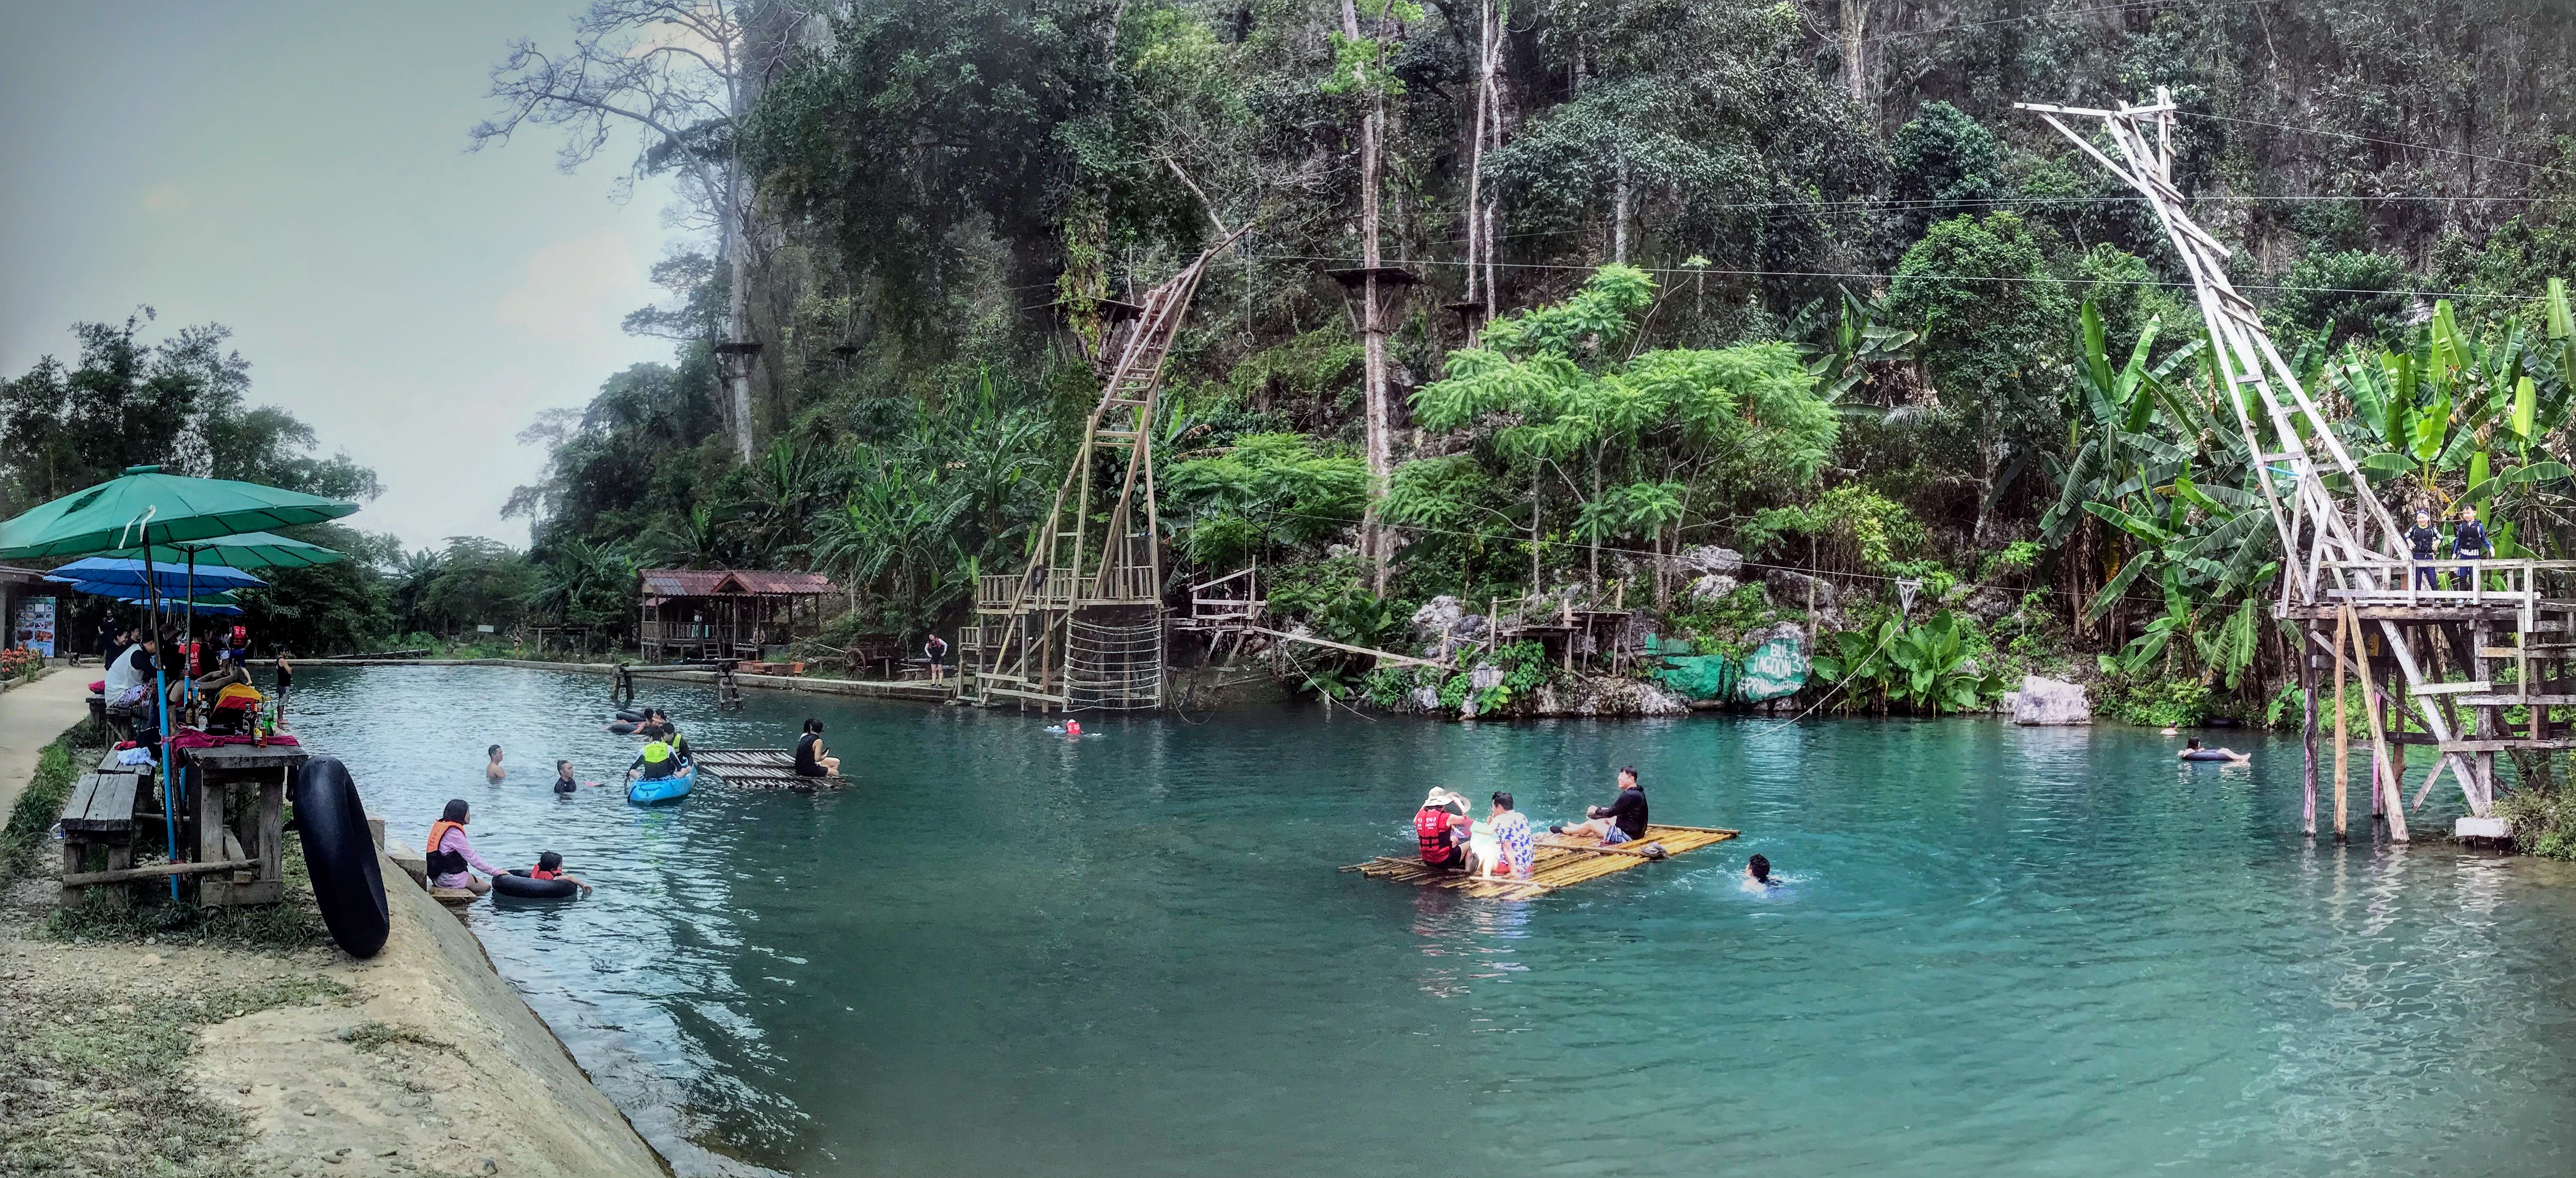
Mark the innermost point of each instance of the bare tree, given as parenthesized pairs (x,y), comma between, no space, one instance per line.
(683,75)
(1368,74)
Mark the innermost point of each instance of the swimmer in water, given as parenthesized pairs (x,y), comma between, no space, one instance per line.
(2192,746)
(1757,875)
(492,770)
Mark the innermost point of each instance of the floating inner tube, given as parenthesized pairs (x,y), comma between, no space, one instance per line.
(340,857)
(518,884)
(2206,755)
(630,715)
(624,728)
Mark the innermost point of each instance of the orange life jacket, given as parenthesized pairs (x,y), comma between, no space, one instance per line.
(541,873)
(444,862)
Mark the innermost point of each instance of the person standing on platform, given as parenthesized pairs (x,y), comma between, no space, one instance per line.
(2424,540)
(2469,542)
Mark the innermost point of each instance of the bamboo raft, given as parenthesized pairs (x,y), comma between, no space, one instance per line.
(1556,864)
(760,769)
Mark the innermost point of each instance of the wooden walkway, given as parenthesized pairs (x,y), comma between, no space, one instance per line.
(1557,864)
(760,769)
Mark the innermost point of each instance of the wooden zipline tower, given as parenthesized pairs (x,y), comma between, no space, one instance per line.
(1081,627)
(2345,564)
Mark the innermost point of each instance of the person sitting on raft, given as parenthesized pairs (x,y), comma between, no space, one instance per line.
(492,770)
(1441,831)
(1512,844)
(1623,820)
(550,866)
(450,853)
(811,759)
(2191,751)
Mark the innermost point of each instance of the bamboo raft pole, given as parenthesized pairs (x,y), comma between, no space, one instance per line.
(1555,864)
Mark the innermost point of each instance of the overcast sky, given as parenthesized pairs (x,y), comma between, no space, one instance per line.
(298,173)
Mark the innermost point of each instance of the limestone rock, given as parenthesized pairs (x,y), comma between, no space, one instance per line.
(1709,560)
(1987,604)
(1793,589)
(1438,616)
(1711,586)
(1425,699)
(2050,701)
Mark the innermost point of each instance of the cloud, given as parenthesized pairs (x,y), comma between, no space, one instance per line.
(165,198)
(575,290)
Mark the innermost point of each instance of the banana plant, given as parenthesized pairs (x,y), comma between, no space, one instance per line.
(1935,671)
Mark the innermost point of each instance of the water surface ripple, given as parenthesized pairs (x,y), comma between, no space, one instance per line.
(2002,951)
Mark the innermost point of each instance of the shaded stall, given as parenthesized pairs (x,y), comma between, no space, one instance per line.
(707,615)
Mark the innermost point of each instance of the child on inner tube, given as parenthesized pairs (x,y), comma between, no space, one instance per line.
(550,866)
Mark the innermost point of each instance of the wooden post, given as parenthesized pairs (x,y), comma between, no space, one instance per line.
(2308,735)
(2481,634)
(2342,745)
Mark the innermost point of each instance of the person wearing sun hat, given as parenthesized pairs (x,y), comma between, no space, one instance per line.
(1441,829)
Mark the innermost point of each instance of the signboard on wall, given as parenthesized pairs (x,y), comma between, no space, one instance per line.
(35,628)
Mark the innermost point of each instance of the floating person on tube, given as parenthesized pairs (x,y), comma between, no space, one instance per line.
(2191,751)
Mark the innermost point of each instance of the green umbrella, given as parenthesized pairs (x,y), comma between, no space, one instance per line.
(145,506)
(250,550)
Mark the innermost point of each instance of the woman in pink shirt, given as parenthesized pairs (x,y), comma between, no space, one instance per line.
(450,853)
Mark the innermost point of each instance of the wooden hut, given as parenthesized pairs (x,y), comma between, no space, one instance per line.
(692,615)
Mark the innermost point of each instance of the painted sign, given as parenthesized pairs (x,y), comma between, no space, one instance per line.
(35,629)
(1775,669)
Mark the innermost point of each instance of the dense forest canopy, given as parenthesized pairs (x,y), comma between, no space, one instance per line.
(1836,304)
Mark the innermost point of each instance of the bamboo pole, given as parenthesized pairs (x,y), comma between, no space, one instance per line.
(2308,736)
(2342,745)
(2384,795)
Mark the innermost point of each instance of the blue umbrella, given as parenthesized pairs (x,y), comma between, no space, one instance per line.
(204,603)
(102,570)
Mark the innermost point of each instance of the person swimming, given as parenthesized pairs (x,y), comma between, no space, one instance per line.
(2191,751)
(492,770)
(1757,874)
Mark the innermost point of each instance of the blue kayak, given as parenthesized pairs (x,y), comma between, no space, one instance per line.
(653,791)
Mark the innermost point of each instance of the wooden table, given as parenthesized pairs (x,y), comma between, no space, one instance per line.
(216,778)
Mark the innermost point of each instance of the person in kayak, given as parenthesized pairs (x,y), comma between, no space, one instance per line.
(1623,820)
(450,853)
(654,763)
(811,758)
(1441,831)
(550,866)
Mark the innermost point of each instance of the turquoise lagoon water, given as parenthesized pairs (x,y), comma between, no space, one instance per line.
(2001,951)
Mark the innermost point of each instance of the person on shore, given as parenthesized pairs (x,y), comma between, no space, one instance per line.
(935,652)
(1513,846)
(2469,542)
(285,679)
(1757,875)
(451,853)
(2422,540)
(812,760)
(550,866)
(2192,746)
(492,770)
(112,637)
(129,674)
(1441,831)
(1623,820)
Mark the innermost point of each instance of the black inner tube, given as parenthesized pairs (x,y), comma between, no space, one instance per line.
(518,884)
(630,716)
(2206,755)
(340,857)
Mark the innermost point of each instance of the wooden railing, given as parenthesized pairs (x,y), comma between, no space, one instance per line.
(2518,584)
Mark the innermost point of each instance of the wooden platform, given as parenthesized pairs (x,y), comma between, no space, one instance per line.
(760,769)
(1557,863)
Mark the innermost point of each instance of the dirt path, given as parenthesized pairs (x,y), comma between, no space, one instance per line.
(31,716)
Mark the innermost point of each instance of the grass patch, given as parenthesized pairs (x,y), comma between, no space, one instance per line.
(100,1085)
(31,821)
(378,1036)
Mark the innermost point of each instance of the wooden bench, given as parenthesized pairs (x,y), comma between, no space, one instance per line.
(100,813)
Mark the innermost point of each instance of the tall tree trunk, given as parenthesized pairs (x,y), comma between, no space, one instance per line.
(1619,216)
(1372,327)
(1855,33)
(1476,153)
(735,365)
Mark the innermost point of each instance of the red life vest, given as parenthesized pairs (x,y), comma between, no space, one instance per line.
(541,873)
(1431,830)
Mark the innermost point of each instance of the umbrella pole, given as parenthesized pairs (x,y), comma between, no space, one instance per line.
(161,710)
